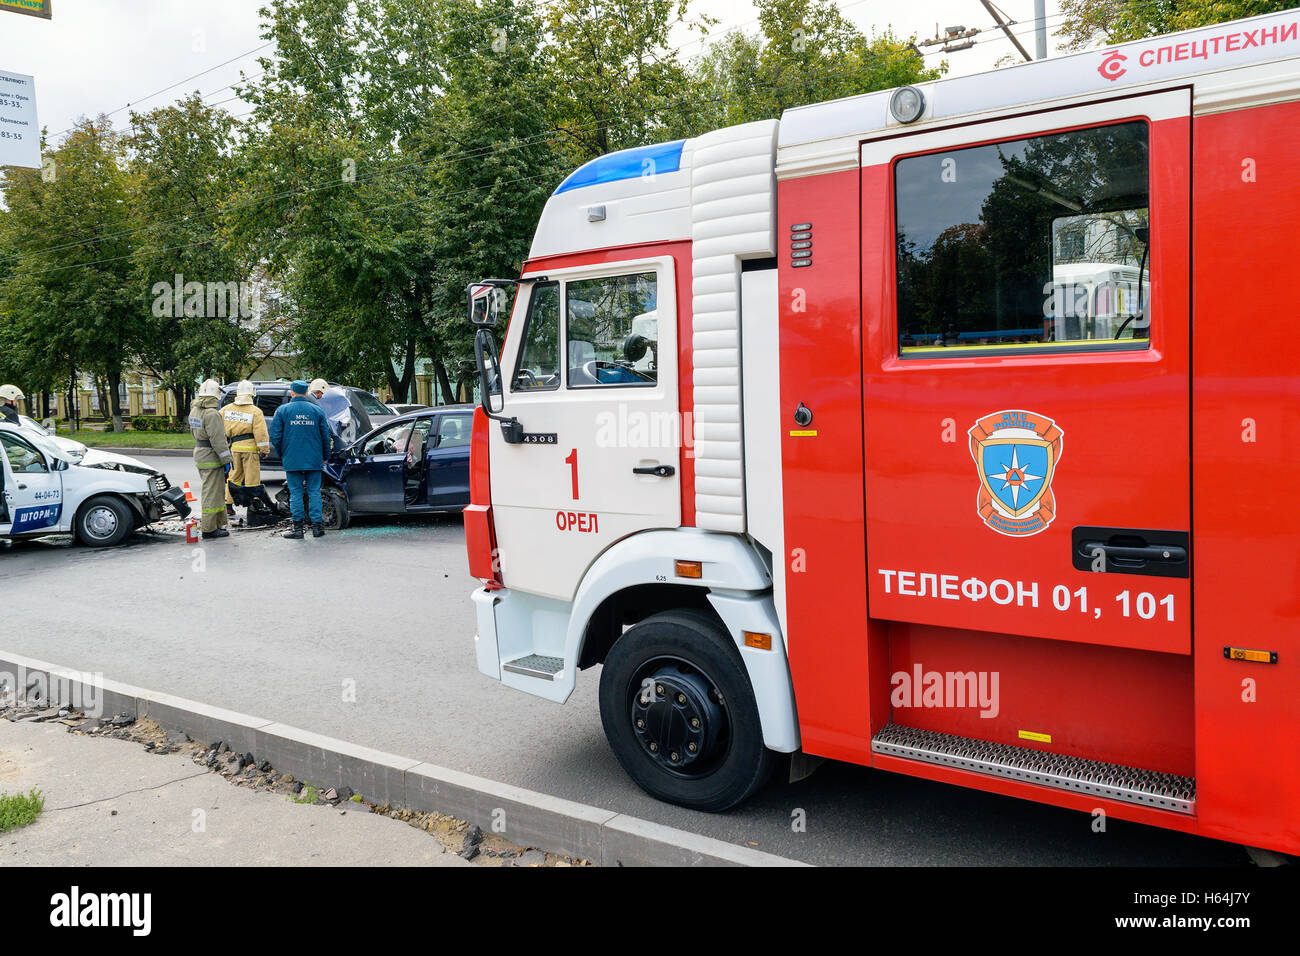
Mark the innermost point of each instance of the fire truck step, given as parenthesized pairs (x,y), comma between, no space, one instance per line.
(535,665)
(1149,788)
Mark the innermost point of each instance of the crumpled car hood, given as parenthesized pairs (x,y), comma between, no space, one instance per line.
(98,458)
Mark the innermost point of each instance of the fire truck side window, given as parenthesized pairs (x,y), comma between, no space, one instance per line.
(539,363)
(1031,244)
(612,330)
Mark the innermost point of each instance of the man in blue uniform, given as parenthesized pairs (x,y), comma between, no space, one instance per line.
(301,435)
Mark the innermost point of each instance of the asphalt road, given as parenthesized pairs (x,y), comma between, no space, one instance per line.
(282,629)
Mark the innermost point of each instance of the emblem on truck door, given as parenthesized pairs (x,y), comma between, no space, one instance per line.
(1015,454)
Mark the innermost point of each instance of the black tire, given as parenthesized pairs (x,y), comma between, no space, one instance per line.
(334,509)
(684,659)
(104,522)
(335,514)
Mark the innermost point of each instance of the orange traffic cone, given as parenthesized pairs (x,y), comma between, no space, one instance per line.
(189,495)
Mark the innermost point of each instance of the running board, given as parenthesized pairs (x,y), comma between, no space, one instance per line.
(535,665)
(1149,788)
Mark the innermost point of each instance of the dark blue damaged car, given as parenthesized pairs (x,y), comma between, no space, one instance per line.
(415,464)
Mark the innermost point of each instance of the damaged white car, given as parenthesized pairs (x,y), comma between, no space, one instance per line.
(100,498)
(75,449)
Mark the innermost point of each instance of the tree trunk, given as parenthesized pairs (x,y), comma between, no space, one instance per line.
(401,387)
(73,411)
(444,384)
(115,398)
(465,388)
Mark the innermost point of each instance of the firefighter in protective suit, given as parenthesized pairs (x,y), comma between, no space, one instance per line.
(211,457)
(249,444)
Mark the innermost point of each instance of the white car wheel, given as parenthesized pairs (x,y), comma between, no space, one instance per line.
(103,522)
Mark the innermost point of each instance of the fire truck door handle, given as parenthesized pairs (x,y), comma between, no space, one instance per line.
(1152,552)
(1156,552)
(659,471)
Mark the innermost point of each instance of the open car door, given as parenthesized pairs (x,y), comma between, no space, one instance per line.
(33,490)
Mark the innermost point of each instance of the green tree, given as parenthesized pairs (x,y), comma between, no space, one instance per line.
(25,360)
(1089,22)
(496,164)
(380,177)
(320,191)
(806,51)
(182,175)
(68,298)
(615,82)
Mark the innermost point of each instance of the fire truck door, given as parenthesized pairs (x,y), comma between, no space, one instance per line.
(591,376)
(1026,374)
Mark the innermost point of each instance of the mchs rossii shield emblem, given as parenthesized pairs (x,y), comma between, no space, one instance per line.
(1016,453)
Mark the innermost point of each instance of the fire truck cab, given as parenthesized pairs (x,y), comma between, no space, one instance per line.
(945,430)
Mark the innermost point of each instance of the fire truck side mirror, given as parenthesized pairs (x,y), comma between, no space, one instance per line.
(486,300)
(490,388)
(489,371)
(635,346)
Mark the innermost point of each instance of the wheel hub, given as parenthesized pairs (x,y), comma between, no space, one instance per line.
(677,718)
(101,522)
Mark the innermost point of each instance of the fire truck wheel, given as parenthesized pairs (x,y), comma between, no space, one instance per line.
(679,712)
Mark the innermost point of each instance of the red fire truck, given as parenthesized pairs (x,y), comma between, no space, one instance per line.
(944,430)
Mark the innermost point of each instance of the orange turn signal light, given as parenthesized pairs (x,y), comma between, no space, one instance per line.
(761,641)
(1248,654)
(688,569)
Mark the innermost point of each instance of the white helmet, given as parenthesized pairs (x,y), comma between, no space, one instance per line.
(318,385)
(210,389)
(11,393)
(245,389)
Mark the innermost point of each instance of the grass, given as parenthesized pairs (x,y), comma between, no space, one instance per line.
(131,439)
(308,795)
(19,809)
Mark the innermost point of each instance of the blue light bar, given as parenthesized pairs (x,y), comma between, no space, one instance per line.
(626,164)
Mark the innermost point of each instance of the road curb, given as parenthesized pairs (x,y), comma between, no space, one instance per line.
(529,818)
(145,452)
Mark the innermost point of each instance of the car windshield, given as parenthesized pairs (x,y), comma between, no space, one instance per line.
(372,405)
(32,424)
(42,442)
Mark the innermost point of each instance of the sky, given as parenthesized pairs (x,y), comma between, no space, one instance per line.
(107,56)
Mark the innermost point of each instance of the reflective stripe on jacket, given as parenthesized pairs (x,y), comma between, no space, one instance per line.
(243,421)
(209,431)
